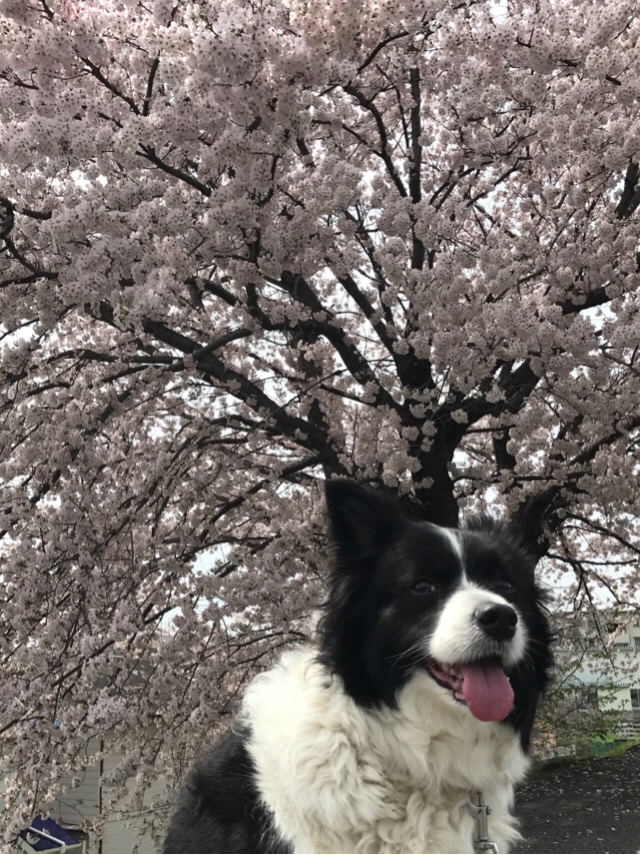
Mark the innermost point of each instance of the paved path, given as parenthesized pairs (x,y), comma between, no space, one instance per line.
(584,807)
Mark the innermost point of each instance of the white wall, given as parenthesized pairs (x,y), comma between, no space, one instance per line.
(123,822)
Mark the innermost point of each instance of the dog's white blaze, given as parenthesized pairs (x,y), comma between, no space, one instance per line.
(455,541)
(458,638)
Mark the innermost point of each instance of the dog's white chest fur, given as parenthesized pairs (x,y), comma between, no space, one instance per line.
(340,778)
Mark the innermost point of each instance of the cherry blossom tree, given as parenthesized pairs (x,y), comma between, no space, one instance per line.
(247,246)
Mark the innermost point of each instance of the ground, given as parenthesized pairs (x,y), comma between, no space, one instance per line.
(586,806)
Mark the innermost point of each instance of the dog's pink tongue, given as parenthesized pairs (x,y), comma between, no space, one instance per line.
(487,691)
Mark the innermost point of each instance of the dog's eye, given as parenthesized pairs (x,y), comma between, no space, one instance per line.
(504,586)
(424,588)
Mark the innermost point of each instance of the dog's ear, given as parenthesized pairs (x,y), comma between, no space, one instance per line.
(361,521)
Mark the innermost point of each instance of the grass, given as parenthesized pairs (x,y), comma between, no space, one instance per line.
(618,748)
(541,768)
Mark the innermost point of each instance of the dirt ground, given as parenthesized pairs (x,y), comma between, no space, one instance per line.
(584,807)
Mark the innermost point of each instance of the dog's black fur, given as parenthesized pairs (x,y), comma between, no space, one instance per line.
(220,808)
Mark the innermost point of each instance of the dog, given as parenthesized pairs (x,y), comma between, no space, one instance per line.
(415,701)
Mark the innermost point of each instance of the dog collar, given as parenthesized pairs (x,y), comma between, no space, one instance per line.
(480,812)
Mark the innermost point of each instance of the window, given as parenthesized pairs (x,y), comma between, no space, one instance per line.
(635,699)
(587,698)
(636,641)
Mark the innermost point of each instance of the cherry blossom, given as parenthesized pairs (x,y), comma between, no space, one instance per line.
(245,247)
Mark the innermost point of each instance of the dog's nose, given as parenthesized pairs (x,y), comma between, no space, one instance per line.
(497,621)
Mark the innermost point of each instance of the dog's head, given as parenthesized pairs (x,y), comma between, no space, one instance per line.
(411,598)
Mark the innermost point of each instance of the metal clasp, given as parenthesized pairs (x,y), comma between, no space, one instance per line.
(480,812)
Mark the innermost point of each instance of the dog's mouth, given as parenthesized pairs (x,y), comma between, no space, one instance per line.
(483,686)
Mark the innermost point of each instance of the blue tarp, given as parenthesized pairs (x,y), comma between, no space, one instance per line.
(38,843)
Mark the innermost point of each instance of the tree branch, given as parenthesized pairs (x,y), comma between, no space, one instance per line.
(367,104)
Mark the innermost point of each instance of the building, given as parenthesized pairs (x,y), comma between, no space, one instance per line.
(597,687)
(124,827)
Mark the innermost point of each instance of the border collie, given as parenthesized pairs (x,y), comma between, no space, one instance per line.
(419,691)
